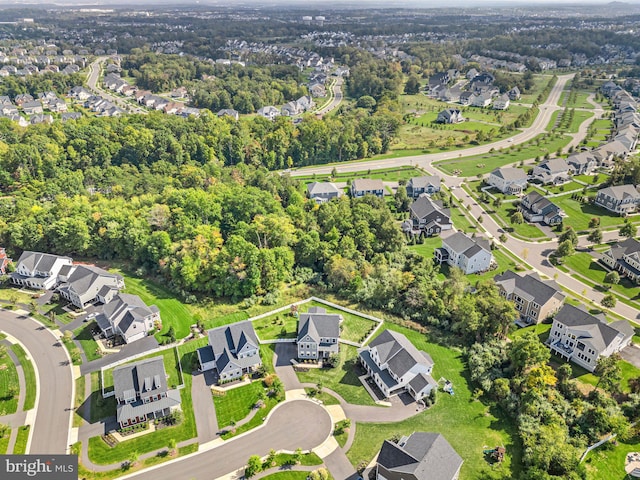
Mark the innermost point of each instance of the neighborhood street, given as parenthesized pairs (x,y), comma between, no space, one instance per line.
(92,84)
(336,100)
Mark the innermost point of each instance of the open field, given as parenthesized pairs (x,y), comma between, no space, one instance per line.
(467,424)
(539,84)
(485,163)
(4,442)
(607,462)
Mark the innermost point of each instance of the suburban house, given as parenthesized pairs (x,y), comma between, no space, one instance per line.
(582,163)
(127,316)
(621,199)
(482,100)
(420,456)
(514,93)
(554,170)
(4,261)
(427,216)
(501,103)
(269,112)
(38,270)
(396,366)
(318,334)
(534,298)
(508,180)
(322,192)
(142,393)
(538,209)
(365,186)
(450,115)
(416,186)
(471,255)
(229,112)
(233,350)
(583,338)
(87,284)
(624,257)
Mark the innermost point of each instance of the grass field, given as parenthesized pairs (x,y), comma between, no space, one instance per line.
(324,397)
(9,386)
(29,376)
(386,174)
(540,82)
(89,345)
(100,407)
(21,440)
(526,230)
(575,99)
(579,214)
(541,330)
(475,164)
(467,424)
(237,403)
(342,379)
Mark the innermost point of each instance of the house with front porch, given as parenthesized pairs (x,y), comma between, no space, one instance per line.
(582,338)
(129,317)
(620,199)
(471,255)
(83,285)
(364,186)
(38,270)
(428,184)
(395,365)
(142,393)
(625,258)
(508,180)
(233,351)
(318,334)
(534,298)
(538,209)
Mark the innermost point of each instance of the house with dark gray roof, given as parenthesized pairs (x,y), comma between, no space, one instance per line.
(321,192)
(420,456)
(233,351)
(534,298)
(318,334)
(428,184)
(450,115)
(624,257)
(129,317)
(88,284)
(142,393)
(508,180)
(38,270)
(471,255)
(621,199)
(538,209)
(364,186)
(582,163)
(395,365)
(428,217)
(582,338)
(553,170)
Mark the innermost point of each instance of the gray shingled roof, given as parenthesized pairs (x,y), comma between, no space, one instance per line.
(425,181)
(620,192)
(38,261)
(367,184)
(144,377)
(124,312)
(225,341)
(626,247)
(461,243)
(529,286)
(424,206)
(424,455)
(319,188)
(398,352)
(509,173)
(317,323)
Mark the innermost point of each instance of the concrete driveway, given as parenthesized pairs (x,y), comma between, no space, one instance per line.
(632,355)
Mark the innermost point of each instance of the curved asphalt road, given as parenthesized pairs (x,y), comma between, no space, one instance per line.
(296,424)
(337,98)
(50,430)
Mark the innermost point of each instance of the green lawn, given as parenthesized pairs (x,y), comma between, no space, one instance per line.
(579,214)
(257,419)
(342,379)
(324,397)
(540,83)
(525,230)
(607,462)
(291,475)
(80,384)
(9,386)
(89,345)
(266,354)
(172,311)
(353,327)
(4,442)
(29,376)
(468,425)
(541,330)
(226,319)
(100,407)
(485,163)
(565,187)
(588,179)
(20,447)
(237,403)
(385,174)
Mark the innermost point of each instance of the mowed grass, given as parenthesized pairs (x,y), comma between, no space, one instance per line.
(579,214)
(237,403)
(607,462)
(485,163)
(4,442)
(29,377)
(342,379)
(9,386)
(172,311)
(467,424)
(20,447)
(89,345)
(539,84)
(525,230)
(385,174)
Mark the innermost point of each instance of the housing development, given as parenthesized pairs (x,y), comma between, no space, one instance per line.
(320,241)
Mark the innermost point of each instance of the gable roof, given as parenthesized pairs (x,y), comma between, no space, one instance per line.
(232,337)
(462,244)
(424,455)
(85,276)
(510,173)
(425,181)
(125,312)
(424,206)
(529,286)
(319,188)
(367,184)
(620,192)
(141,377)
(398,352)
(554,165)
(42,262)
(317,323)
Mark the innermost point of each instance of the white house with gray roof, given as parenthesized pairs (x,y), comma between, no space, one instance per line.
(142,393)
(318,334)
(625,257)
(364,186)
(87,284)
(553,170)
(396,365)
(428,184)
(38,270)
(582,338)
(420,456)
(471,255)
(129,317)
(534,298)
(321,192)
(233,350)
(620,199)
(508,180)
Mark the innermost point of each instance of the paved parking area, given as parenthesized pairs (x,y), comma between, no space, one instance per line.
(632,355)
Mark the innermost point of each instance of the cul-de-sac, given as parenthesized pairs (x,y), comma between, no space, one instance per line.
(320,240)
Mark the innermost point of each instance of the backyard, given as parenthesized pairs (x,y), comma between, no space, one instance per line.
(607,462)
(579,214)
(467,424)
